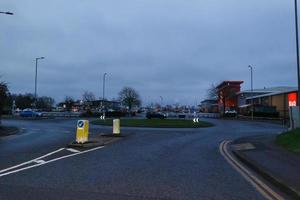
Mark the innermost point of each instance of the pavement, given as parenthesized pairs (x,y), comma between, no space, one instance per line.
(277,165)
(171,164)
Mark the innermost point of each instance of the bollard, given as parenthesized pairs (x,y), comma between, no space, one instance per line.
(116,126)
(82,132)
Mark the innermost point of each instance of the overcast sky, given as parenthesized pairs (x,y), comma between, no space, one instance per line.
(169,48)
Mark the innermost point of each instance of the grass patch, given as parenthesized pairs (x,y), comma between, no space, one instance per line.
(290,140)
(155,123)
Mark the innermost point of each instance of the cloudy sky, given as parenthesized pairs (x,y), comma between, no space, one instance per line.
(169,48)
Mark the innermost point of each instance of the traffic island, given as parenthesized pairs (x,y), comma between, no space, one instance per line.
(274,163)
(156,123)
(8,130)
(101,139)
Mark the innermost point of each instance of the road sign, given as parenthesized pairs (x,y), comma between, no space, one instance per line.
(82,132)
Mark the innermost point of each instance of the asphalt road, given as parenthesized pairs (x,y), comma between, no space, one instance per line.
(147,164)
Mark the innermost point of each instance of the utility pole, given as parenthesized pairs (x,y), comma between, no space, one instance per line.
(297,51)
(252,105)
(103,95)
(35,82)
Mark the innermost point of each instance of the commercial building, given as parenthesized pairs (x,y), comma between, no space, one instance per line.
(227,95)
(278,98)
(274,101)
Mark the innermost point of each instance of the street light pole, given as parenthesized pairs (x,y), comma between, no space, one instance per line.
(297,49)
(35,82)
(7,13)
(161,102)
(103,94)
(252,105)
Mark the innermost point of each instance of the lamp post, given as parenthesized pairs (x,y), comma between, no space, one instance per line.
(35,82)
(161,102)
(252,105)
(7,13)
(103,94)
(297,51)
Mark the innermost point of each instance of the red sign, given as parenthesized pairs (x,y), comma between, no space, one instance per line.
(292,97)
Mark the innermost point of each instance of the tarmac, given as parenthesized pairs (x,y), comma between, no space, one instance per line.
(277,165)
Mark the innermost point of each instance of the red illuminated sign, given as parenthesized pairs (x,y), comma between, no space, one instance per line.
(292,97)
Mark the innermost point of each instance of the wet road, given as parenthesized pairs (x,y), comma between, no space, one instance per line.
(148,164)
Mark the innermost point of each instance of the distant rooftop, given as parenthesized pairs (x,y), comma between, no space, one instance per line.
(223,83)
(271,91)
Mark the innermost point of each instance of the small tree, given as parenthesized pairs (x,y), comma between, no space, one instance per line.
(88,96)
(212,92)
(69,102)
(129,97)
(4,93)
(45,103)
(23,100)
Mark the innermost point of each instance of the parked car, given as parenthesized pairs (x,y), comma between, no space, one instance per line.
(150,115)
(230,113)
(30,113)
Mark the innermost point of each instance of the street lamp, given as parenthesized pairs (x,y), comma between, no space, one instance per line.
(252,108)
(297,49)
(161,102)
(103,94)
(7,13)
(35,83)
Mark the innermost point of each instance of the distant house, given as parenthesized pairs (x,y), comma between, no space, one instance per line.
(209,106)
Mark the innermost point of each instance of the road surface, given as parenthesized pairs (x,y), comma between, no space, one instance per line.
(147,164)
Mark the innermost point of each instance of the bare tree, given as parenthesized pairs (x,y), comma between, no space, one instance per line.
(4,93)
(69,102)
(88,96)
(129,97)
(212,92)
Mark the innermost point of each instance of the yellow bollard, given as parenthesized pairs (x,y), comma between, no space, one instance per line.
(82,133)
(116,126)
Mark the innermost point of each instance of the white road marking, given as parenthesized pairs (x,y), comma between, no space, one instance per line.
(43,163)
(39,161)
(25,163)
(72,150)
(265,190)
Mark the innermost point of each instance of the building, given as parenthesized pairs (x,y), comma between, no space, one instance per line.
(209,106)
(278,98)
(227,95)
(267,102)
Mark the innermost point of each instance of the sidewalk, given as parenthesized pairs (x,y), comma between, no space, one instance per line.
(275,164)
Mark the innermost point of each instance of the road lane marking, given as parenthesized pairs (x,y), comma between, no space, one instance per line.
(265,190)
(72,150)
(43,163)
(39,161)
(30,161)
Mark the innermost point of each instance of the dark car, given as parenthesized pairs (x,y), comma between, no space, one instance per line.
(150,115)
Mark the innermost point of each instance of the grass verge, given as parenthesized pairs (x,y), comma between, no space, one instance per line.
(290,140)
(155,123)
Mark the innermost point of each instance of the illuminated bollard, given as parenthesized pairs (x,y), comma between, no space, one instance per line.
(82,132)
(116,126)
